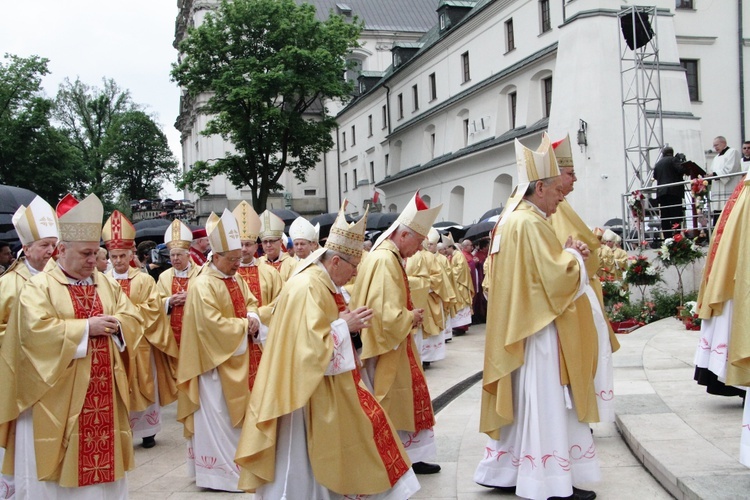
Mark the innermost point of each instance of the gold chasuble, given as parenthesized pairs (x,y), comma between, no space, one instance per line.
(81,429)
(141,289)
(530,248)
(213,328)
(284,265)
(430,289)
(400,386)
(566,222)
(462,280)
(352,445)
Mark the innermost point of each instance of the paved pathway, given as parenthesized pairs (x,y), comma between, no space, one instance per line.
(161,471)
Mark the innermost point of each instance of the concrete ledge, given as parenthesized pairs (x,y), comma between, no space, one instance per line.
(687,439)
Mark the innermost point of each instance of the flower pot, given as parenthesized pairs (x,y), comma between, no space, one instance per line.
(625,326)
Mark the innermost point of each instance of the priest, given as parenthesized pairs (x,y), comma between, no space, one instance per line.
(75,333)
(271,236)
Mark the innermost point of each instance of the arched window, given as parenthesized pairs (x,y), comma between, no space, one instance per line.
(456,205)
(501,189)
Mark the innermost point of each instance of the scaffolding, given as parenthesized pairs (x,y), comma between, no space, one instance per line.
(641,104)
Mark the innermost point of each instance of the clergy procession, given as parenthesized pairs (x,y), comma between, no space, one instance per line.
(304,377)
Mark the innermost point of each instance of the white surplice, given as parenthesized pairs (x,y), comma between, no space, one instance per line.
(713,346)
(604,380)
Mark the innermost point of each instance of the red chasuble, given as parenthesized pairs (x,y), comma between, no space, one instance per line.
(175,318)
(251,276)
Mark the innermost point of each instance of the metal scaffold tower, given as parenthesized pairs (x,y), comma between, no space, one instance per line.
(641,98)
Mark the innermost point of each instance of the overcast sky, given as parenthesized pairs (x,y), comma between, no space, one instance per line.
(130,42)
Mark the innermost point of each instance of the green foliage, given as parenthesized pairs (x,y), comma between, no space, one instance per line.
(86,114)
(268,67)
(33,154)
(665,303)
(139,158)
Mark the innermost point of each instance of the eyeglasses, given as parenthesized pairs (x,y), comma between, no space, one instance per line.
(270,242)
(354,266)
(233,260)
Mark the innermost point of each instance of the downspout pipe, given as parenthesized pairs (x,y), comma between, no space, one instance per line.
(338,164)
(741,60)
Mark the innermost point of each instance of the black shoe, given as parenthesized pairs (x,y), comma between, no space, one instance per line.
(457,332)
(578,494)
(149,442)
(425,468)
(511,490)
(425,364)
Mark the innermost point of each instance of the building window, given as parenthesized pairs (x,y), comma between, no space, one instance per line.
(442,21)
(369,126)
(385,116)
(510,39)
(356,181)
(466,75)
(415,96)
(432,145)
(385,162)
(466,131)
(691,72)
(512,99)
(343,141)
(684,4)
(400,106)
(547,86)
(311,192)
(354,135)
(433,87)
(346,182)
(544,15)
(372,172)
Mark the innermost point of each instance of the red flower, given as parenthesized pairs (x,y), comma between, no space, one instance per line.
(678,238)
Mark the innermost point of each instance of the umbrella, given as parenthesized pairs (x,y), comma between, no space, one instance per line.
(150,233)
(149,223)
(381,220)
(286,215)
(326,221)
(12,197)
(479,230)
(490,213)
(456,232)
(447,223)
(613,223)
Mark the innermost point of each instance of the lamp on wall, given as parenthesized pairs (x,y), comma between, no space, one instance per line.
(583,128)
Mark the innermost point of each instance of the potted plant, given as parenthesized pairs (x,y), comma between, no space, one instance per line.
(689,316)
(641,273)
(678,252)
(621,317)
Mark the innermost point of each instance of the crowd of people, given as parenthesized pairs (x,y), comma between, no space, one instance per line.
(303,376)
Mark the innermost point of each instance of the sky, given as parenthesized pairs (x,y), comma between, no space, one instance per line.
(130,42)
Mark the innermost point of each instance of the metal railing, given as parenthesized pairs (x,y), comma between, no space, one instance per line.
(696,215)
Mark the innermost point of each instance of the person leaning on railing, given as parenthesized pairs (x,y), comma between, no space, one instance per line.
(669,169)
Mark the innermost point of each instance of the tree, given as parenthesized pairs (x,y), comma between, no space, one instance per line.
(140,160)
(33,154)
(265,63)
(86,114)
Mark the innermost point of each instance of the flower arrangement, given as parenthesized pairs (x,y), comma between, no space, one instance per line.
(613,291)
(647,314)
(619,312)
(636,202)
(699,187)
(689,316)
(679,251)
(641,272)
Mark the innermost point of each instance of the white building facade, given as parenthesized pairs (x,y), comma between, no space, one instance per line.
(444,117)
(386,22)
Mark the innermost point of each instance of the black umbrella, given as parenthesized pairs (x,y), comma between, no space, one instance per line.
(284,214)
(457,233)
(326,221)
(381,220)
(12,197)
(149,223)
(613,222)
(479,230)
(446,223)
(490,213)
(9,236)
(155,234)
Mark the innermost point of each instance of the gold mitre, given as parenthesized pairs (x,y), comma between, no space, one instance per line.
(433,236)
(598,232)
(271,225)
(563,152)
(178,235)
(447,240)
(302,229)
(248,221)
(317,232)
(347,238)
(609,235)
(80,221)
(223,232)
(35,222)
(536,165)
(418,216)
(118,232)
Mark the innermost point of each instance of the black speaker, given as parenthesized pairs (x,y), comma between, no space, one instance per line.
(642,33)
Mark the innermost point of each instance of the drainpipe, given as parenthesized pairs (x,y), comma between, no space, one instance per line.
(388,104)
(740,34)
(338,164)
